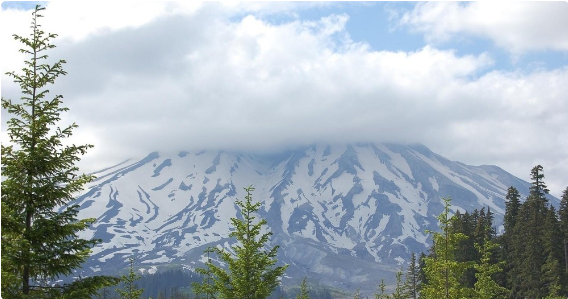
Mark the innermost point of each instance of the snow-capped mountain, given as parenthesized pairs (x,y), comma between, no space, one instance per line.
(344,215)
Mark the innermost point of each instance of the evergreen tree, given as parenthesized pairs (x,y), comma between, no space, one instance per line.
(399,287)
(357,295)
(130,290)
(563,215)
(412,279)
(553,278)
(304,292)
(512,206)
(486,287)
(251,273)
(526,253)
(442,270)
(421,270)
(382,290)
(39,221)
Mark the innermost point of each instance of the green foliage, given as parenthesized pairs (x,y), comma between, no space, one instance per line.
(251,273)
(382,291)
(130,290)
(485,287)
(304,292)
(441,269)
(357,295)
(399,288)
(39,225)
(412,279)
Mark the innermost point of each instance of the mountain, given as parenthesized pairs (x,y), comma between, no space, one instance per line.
(344,215)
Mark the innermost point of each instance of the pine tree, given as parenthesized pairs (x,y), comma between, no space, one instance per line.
(442,270)
(130,290)
(304,292)
(39,221)
(251,273)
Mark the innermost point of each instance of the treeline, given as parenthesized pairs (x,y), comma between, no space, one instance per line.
(175,284)
(469,260)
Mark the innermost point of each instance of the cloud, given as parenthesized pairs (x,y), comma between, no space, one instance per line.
(202,78)
(518,27)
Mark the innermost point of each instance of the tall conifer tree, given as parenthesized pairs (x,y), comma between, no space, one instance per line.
(563,215)
(412,279)
(39,225)
(251,271)
(442,270)
(526,247)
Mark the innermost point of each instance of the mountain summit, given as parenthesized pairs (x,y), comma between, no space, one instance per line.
(343,215)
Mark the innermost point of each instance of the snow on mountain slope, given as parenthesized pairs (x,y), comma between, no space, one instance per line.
(342,214)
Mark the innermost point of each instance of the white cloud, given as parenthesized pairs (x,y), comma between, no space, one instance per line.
(517,27)
(205,79)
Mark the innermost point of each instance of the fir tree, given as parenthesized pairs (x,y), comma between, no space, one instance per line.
(130,290)
(442,270)
(526,252)
(553,278)
(382,291)
(563,215)
(512,206)
(486,287)
(412,279)
(399,287)
(304,292)
(357,295)
(251,273)
(39,221)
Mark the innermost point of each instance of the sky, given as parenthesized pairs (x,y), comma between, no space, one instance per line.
(476,82)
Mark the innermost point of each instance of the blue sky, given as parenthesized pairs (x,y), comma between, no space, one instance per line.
(477,82)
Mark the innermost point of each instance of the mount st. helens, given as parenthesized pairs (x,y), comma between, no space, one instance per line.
(343,215)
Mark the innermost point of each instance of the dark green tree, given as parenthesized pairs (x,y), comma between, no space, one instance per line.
(553,278)
(526,253)
(39,221)
(512,206)
(251,271)
(412,278)
(130,290)
(563,215)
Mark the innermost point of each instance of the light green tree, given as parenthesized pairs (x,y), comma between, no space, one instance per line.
(442,271)
(382,290)
(39,221)
(130,290)
(357,295)
(486,287)
(251,271)
(399,287)
(304,292)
